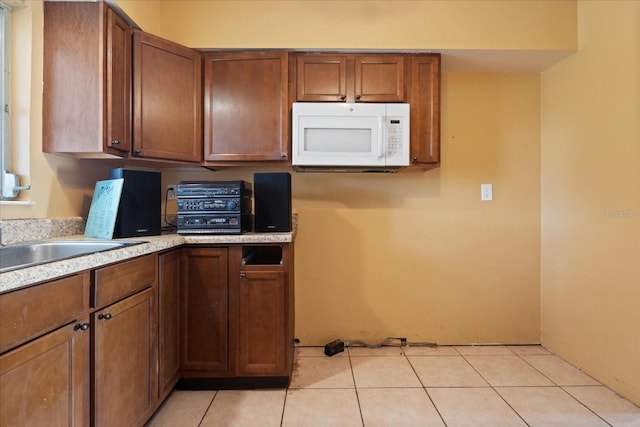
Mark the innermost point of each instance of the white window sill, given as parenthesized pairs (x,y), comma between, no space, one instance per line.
(17,203)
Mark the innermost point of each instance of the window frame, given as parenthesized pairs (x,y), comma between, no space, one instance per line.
(5,88)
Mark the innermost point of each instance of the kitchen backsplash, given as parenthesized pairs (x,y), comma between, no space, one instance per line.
(24,230)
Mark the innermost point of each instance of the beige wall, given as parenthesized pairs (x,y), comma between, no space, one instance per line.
(418,254)
(398,24)
(415,254)
(591,198)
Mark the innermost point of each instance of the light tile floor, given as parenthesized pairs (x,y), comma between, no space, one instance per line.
(413,386)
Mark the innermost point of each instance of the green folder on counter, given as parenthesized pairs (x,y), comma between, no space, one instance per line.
(104,209)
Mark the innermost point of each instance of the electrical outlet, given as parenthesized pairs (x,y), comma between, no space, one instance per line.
(171,191)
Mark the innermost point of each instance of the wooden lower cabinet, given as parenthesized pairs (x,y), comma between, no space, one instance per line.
(205,308)
(44,354)
(124,361)
(168,321)
(237,311)
(261,323)
(46,382)
(262,278)
(216,313)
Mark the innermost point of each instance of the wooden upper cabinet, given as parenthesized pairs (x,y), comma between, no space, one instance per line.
(167,100)
(321,78)
(87,77)
(118,106)
(424,98)
(246,107)
(350,78)
(379,78)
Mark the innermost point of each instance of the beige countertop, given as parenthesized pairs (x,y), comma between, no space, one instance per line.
(15,279)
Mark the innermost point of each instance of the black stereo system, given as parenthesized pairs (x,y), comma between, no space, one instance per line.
(224,207)
(214,207)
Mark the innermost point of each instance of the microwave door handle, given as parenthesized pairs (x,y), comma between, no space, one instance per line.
(381,139)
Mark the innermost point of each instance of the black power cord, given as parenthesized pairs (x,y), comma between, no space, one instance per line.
(338,346)
(169,226)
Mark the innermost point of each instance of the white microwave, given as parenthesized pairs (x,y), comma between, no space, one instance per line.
(339,137)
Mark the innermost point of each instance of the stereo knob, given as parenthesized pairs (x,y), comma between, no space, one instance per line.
(232,204)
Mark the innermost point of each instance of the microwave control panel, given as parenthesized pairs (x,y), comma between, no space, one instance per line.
(397,134)
(394,136)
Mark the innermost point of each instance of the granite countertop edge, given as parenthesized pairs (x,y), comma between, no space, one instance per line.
(16,279)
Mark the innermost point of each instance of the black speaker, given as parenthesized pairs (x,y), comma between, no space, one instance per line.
(272,196)
(139,211)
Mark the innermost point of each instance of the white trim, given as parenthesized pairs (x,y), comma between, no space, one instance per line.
(5,86)
(17,203)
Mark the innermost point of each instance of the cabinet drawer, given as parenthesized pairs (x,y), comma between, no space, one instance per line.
(28,313)
(117,281)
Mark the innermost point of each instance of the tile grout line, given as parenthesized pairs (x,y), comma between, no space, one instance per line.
(284,405)
(425,389)
(559,385)
(355,387)
(583,404)
(208,407)
(497,389)
(494,388)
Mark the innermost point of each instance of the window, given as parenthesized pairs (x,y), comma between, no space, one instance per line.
(15,38)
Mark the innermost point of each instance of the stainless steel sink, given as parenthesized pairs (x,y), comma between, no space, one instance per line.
(30,254)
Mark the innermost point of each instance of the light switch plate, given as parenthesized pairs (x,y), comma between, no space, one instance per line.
(486,191)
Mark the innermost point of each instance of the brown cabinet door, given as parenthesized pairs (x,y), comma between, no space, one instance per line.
(262,323)
(124,361)
(86,80)
(350,78)
(167,100)
(118,63)
(246,107)
(169,321)
(204,305)
(321,78)
(425,110)
(46,382)
(380,78)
